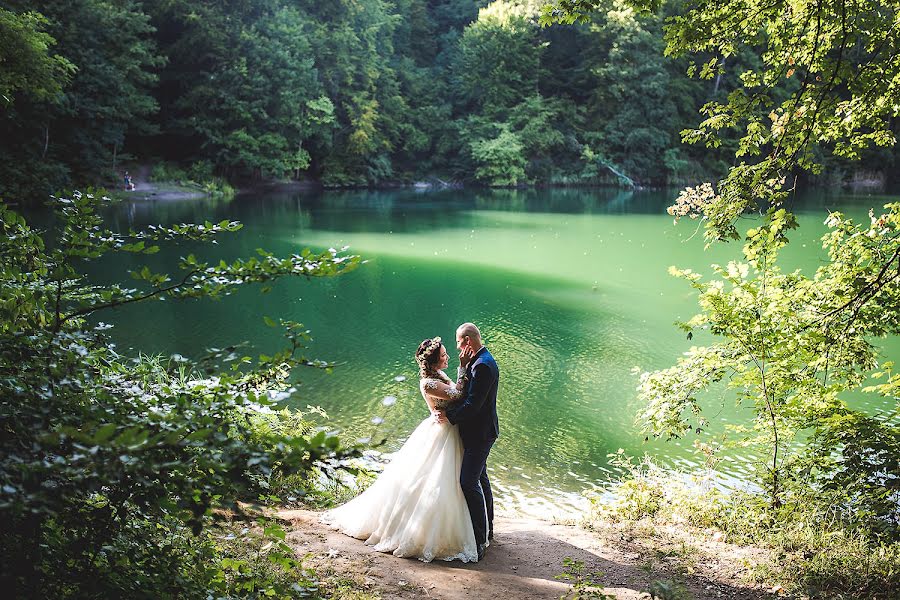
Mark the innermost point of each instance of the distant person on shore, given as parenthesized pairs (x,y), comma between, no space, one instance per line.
(129,185)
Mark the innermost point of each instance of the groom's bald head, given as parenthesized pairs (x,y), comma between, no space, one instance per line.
(467,334)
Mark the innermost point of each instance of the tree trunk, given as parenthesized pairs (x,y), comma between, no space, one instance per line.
(718,78)
(46,141)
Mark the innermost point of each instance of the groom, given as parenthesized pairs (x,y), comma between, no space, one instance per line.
(476,416)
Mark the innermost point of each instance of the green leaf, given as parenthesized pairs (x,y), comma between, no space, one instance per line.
(104,433)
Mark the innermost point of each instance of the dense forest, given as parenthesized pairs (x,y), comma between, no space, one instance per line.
(353,93)
(132,475)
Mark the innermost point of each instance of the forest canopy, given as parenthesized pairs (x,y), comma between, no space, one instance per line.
(360,93)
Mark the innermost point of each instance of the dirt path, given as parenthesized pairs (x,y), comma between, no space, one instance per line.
(523,562)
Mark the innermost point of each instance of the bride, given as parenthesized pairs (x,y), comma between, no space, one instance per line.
(416,508)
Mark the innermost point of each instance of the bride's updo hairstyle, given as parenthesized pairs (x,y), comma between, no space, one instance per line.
(428,355)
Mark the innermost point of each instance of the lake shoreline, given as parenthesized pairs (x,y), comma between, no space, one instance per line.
(175,190)
(869,186)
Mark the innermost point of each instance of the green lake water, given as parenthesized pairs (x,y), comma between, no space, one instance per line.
(570,288)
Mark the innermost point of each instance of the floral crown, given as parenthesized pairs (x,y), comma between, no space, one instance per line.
(432,345)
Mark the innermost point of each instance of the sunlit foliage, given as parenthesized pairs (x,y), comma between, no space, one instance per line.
(114,468)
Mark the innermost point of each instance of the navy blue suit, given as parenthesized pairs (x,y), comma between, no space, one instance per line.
(476,416)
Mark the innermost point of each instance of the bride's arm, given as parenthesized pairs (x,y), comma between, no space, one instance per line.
(440,389)
(430,393)
(462,378)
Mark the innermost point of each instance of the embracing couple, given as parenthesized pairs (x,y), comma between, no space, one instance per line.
(433,500)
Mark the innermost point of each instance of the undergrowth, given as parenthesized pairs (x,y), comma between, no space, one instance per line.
(814,550)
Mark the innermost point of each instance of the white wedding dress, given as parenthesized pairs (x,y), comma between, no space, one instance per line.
(415,508)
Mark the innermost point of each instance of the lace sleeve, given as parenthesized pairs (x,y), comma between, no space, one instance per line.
(442,390)
(462,379)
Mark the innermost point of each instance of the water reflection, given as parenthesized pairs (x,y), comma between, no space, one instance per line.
(398,211)
(570,287)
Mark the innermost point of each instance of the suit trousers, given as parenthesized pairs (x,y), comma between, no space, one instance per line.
(473,479)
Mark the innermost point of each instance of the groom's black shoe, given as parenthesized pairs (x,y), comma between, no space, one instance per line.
(481,549)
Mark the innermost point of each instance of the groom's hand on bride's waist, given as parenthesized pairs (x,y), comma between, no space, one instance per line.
(439,417)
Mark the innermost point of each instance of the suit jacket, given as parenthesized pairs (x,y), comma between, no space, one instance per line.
(476,415)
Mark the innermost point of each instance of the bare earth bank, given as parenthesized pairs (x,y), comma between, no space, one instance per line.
(527,555)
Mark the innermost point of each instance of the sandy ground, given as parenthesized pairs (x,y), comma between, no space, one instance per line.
(524,562)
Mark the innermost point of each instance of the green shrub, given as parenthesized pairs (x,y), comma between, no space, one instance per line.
(114,468)
(200,175)
(202,170)
(650,491)
(814,550)
(500,161)
(166,172)
(216,187)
